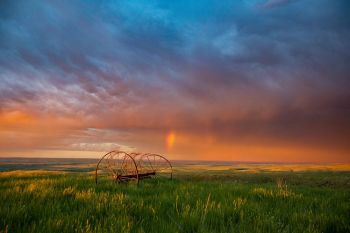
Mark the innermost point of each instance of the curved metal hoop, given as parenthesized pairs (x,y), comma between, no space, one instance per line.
(120,165)
(155,163)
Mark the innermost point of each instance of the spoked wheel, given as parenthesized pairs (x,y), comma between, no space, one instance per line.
(154,166)
(119,165)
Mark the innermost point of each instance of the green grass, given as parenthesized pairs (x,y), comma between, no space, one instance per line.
(215,201)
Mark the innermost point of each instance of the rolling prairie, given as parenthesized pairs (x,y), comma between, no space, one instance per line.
(61,196)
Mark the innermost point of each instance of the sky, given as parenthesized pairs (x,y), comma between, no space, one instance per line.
(241,80)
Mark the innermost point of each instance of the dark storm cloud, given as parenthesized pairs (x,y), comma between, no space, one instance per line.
(273,68)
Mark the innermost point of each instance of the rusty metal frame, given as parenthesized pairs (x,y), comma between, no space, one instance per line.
(160,156)
(141,169)
(116,176)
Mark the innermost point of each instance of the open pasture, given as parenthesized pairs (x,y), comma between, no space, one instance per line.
(202,197)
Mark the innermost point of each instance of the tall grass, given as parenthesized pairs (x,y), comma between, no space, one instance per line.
(70,202)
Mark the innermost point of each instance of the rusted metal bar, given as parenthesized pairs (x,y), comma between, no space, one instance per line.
(141,175)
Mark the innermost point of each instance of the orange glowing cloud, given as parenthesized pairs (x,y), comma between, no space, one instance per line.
(13,118)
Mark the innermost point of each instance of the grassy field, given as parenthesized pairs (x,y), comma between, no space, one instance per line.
(207,198)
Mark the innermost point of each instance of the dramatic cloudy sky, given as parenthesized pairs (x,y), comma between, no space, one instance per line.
(249,80)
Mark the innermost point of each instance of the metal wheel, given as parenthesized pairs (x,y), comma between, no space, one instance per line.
(154,166)
(119,165)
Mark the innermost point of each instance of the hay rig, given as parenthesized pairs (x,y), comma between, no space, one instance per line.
(125,167)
